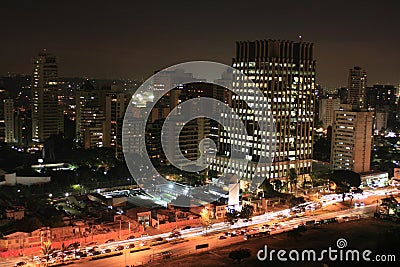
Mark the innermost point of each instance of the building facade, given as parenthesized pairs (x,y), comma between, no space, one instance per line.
(46,115)
(285,72)
(327,107)
(357,87)
(9,120)
(352,140)
(98,113)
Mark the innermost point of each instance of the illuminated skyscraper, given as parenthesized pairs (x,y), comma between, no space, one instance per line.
(285,72)
(9,120)
(357,86)
(351,140)
(46,116)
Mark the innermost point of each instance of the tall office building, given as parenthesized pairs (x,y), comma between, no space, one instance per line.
(46,115)
(3,96)
(23,131)
(380,95)
(351,140)
(357,86)
(285,72)
(327,107)
(98,111)
(192,132)
(383,100)
(115,103)
(9,120)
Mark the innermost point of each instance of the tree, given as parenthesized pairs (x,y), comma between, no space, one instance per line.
(206,218)
(240,254)
(46,251)
(277,184)
(296,232)
(344,180)
(231,216)
(247,211)
(294,201)
(267,187)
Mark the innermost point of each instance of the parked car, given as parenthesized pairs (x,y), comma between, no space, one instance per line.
(107,250)
(131,245)
(110,241)
(118,248)
(94,253)
(74,245)
(222,237)
(21,263)
(81,254)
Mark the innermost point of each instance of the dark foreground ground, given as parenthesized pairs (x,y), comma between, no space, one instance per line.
(379,236)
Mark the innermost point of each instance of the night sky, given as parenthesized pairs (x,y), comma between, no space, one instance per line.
(132,39)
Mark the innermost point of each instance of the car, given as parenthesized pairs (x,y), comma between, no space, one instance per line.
(174,234)
(144,235)
(110,241)
(131,237)
(20,263)
(74,245)
(187,227)
(131,245)
(80,255)
(118,248)
(94,253)
(362,204)
(92,244)
(222,237)
(107,250)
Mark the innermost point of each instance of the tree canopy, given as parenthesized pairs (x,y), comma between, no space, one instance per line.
(346,178)
(240,254)
(247,211)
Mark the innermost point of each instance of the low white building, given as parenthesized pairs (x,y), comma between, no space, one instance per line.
(11,179)
(374,179)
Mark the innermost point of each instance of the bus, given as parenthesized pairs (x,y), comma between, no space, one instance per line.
(256,234)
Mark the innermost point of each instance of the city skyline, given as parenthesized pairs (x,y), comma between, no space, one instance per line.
(199,133)
(133,44)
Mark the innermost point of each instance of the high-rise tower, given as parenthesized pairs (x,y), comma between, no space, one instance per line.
(357,87)
(46,116)
(285,72)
